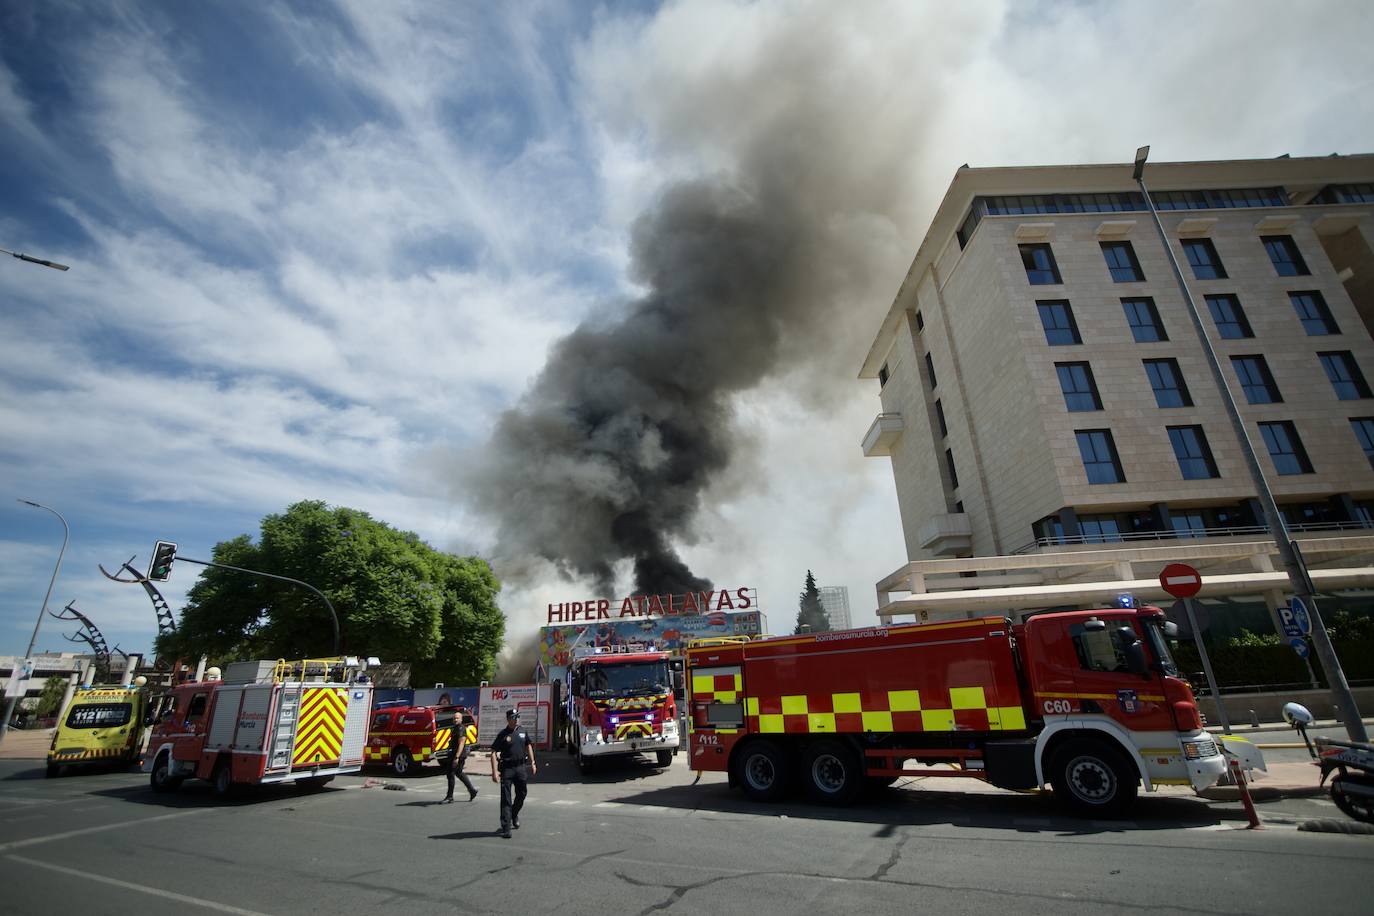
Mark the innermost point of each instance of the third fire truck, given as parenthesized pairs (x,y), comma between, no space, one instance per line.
(1089,702)
(621,703)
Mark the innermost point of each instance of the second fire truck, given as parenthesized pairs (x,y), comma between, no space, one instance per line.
(1088,702)
(621,703)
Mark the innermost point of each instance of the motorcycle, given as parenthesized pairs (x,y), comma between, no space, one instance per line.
(1352,762)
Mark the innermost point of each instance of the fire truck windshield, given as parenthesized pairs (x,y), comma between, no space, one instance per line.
(1160,646)
(628,679)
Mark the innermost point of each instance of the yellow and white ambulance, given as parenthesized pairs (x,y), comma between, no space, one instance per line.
(100,724)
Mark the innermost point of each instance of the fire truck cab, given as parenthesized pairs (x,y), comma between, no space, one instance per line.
(621,703)
(1088,702)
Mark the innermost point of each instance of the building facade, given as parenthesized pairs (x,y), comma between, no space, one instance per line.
(1044,393)
(835,600)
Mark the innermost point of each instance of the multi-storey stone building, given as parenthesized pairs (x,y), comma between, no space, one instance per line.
(1055,433)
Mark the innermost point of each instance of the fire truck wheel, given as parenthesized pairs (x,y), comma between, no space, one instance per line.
(222,780)
(832,773)
(1092,778)
(665,758)
(401,761)
(762,770)
(162,779)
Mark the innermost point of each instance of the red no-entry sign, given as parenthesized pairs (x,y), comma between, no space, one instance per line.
(1180,580)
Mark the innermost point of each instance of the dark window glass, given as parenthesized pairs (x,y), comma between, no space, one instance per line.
(1202,255)
(1040,267)
(1099,529)
(1121,262)
(1099,456)
(1187,523)
(883,376)
(197,707)
(1345,194)
(1167,382)
(953,474)
(930,370)
(1312,312)
(1285,448)
(1345,375)
(1105,649)
(959,506)
(1190,448)
(920,322)
(1076,381)
(99,715)
(381,720)
(1283,252)
(940,416)
(1255,379)
(1229,317)
(1364,434)
(1143,318)
(1057,319)
(1219,199)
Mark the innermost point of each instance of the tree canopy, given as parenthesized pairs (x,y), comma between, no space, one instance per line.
(811,615)
(397,598)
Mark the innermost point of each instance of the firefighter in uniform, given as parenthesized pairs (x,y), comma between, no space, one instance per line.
(453,766)
(510,751)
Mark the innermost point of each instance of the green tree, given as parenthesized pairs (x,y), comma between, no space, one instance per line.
(811,613)
(54,688)
(397,598)
(1345,625)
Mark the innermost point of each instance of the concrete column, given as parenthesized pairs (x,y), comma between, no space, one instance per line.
(1343,507)
(1068,518)
(72,680)
(1254,510)
(1163,521)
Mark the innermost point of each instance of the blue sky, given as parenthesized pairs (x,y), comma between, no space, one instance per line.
(317,247)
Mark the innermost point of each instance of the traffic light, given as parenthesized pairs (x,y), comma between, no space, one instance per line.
(160,569)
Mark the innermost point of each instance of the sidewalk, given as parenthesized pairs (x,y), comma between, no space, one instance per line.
(26,744)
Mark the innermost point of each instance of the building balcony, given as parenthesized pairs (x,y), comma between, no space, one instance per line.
(883,434)
(947,535)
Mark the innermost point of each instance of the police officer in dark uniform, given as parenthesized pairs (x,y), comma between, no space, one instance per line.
(453,764)
(509,752)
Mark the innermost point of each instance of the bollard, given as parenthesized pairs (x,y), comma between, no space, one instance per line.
(1239,773)
(1254,719)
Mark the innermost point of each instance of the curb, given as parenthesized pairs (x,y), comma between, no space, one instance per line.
(1262,793)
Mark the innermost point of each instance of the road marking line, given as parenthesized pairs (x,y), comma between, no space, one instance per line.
(141,888)
(608,805)
(565,801)
(34,841)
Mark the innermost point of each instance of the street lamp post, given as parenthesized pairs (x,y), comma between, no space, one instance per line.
(32,260)
(1298,578)
(28,655)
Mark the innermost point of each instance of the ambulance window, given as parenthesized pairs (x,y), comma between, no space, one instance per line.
(99,715)
(197,707)
(1104,649)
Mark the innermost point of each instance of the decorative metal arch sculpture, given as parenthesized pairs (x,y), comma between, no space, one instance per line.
(88,633)
(166,621)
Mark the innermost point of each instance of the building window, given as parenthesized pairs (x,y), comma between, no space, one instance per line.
(1285,255)
(1143,318)
(1099,529)
(1202,255)
(1364,434)
(1188,523)
(959,507)
(1167,382)
(1076,381)
(1312,312)
(1285,448)
(1099,456)
(953,474)
(1345,375)
(920,321)
(940,416)
(1040,267)
(1345,194)
(883,376)
(1057,319)
(1229,317)
(930,370)
(1121,262)
(1190,448)
(1256,380)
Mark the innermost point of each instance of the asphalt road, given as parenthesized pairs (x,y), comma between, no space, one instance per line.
(636,840)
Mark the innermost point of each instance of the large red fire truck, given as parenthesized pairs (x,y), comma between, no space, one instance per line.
(1089,702)
(301,721)
(619,703)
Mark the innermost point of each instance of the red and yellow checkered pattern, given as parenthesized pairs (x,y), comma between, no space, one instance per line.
(965,709)
(717,687)
(319,734)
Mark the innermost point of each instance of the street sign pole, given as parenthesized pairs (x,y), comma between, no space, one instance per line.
(1207,666)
